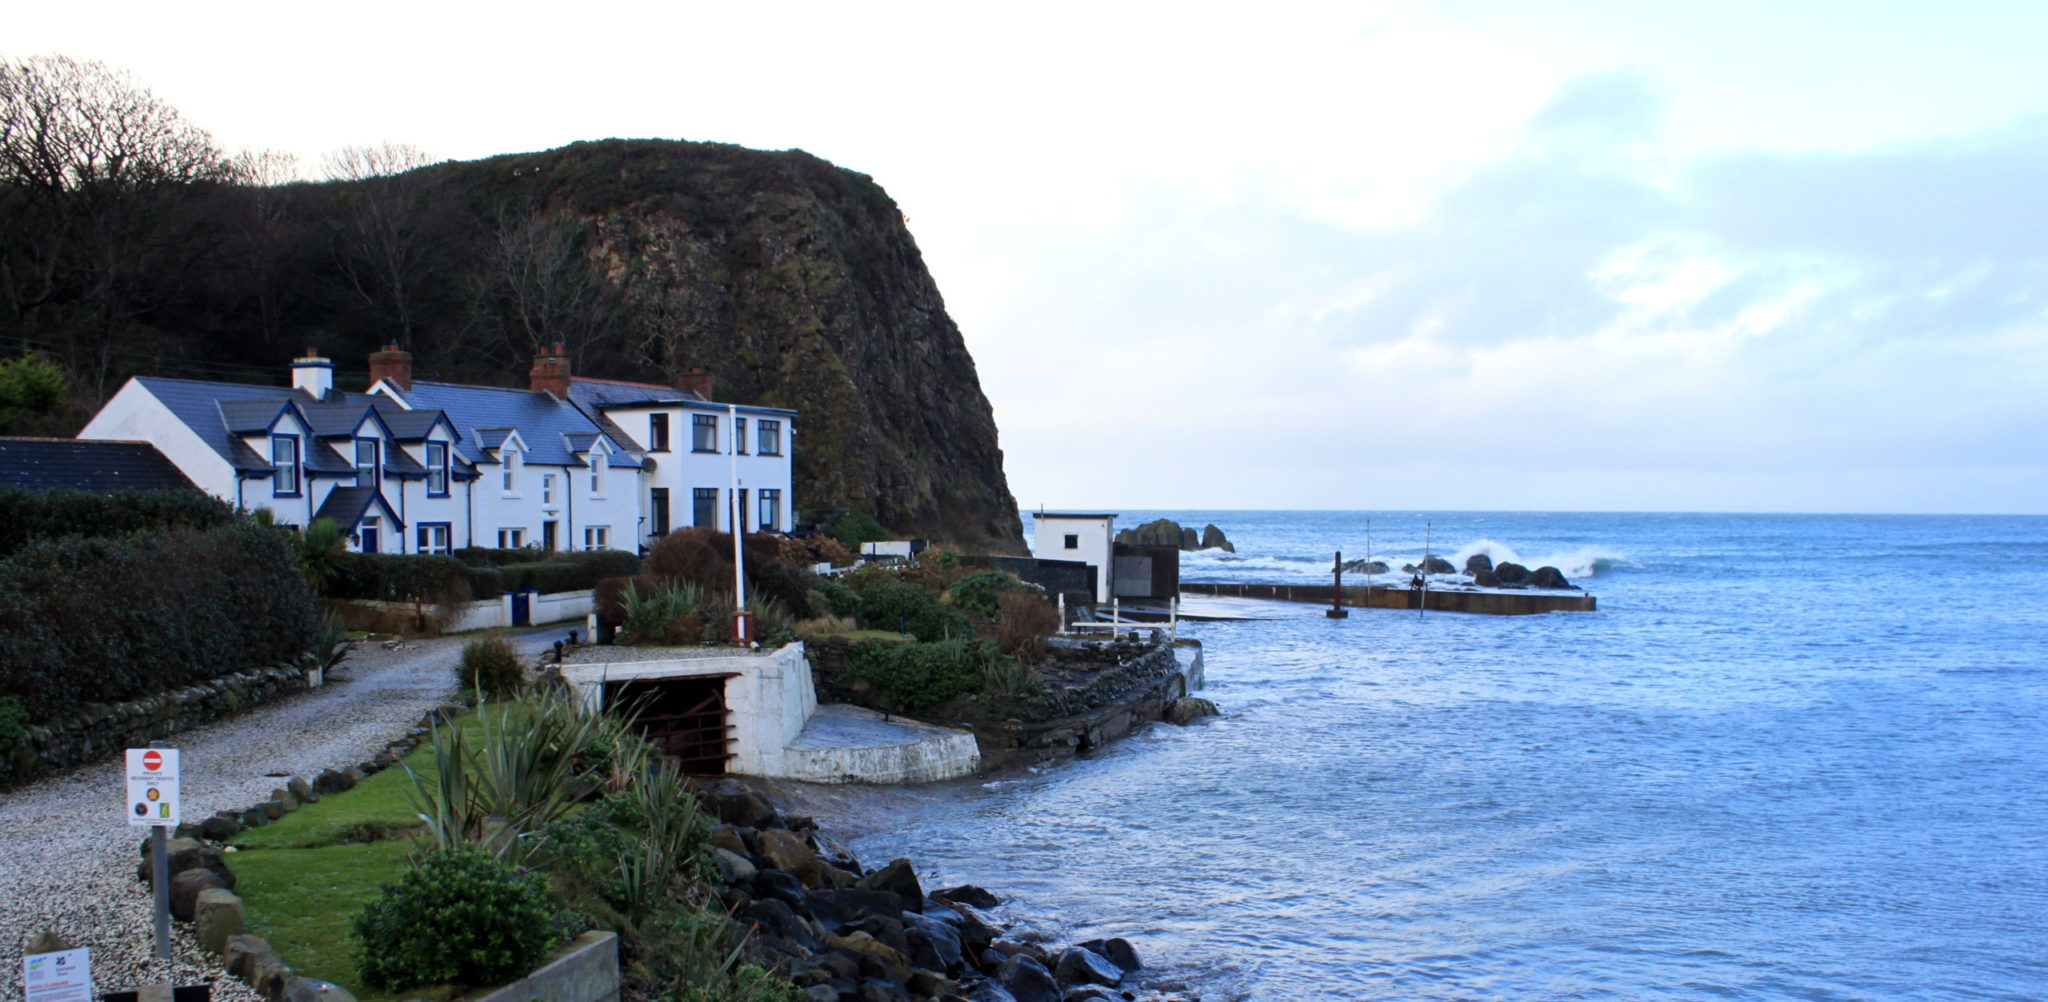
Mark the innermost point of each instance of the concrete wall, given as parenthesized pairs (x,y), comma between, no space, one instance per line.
(768,700)
(482,614)
(1096,536)
(586,970)
(853,744)
(1492,603)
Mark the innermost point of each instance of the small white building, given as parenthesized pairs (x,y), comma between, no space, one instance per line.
(1089,538)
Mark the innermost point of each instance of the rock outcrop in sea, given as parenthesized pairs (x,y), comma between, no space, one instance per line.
(1167,532)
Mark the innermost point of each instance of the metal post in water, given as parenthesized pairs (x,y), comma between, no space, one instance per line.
(1337,587)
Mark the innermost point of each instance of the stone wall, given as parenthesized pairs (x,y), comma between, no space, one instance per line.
(101,729)
(1132,684)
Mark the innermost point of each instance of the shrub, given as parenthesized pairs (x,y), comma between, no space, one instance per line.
(855,528)
(977,593)
(568,571)
(899,605)
(459,917)
(663,615)
(104,620)
(493,667)
(839,599)
(1027,622)
(822,626)
(13,722)
(916,676)
(404,577)
(32,516)
(320,552)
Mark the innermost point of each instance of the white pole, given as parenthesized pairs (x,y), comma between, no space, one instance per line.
(1063,612)
(1173,617)
(738,517)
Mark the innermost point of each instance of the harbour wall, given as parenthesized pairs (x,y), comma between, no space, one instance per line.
(1490,603)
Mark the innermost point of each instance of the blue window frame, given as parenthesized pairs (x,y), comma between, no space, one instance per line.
(284,465)
(771,438)
(739,436)
(437,469)
(433,537)
(704,433)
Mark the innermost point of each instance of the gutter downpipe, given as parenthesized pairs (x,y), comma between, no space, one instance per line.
(742,623)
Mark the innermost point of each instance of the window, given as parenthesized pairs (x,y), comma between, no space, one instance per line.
(596,475)
(771,508)
(739,436)
(547,489)
(771,438)
(366,463)
(657,502)
(704,507)
(657,433)
(432,537)
(437,469)
(739,510)
(704,433)
(284,462)
(597,537)
(511,474)
(511,539)
(1073,541)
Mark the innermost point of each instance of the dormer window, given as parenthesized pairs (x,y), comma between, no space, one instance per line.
(596,474)
(366,462)
(511,474)
(437,469)
(284,464)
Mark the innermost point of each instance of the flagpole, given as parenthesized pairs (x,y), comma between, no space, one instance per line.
(742,627)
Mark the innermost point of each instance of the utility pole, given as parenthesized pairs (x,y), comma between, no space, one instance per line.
(1336,610)
(742,623)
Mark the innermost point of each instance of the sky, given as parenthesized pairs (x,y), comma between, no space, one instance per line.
(1725,256)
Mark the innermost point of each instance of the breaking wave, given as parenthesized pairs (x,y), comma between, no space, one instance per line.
(1584,562)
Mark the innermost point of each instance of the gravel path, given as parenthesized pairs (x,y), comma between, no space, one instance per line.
(68,856)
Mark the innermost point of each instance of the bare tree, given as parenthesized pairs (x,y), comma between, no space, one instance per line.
(93,168)
(381,246)
(265,236)
(535,285)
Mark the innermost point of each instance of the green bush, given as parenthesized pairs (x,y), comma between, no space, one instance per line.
(403,577)
(460,917)
(839,599)
(568,571)
(666,614)
(900,605)
(492,666)
(32,516)
(855,528)
(977,593)
(916,676)
(102,620)
(13,722)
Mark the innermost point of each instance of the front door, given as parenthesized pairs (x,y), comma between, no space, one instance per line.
(368,535)
(547,535)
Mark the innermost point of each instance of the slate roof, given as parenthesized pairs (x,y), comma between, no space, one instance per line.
(594,396)
(49,463)
(544,422)
(222,412)
(346,505)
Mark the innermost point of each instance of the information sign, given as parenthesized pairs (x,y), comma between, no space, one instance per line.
(64,976)
(153,786)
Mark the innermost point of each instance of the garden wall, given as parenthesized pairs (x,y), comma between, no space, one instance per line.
(97,730)
(459,617)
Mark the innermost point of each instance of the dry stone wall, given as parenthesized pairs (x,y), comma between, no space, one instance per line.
(101,729)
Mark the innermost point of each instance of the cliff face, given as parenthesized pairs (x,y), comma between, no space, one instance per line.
(799,286)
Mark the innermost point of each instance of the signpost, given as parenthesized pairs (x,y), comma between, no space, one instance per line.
(153,801)
(63,976)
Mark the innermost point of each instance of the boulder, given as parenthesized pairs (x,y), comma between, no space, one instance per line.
(1486,579)
(861,942)
(1158,532)
(1090,993)
(1549,577)
(1365,566)
(297,989)
(967,894)
(989,991)
(1188,709)
(183,854)
(1477,563)
(1119,951)
(1189,539)
(1510,574)
(1213,539)
(221,827)
(887,931)
(216,917)
(781,886)
(241,954)
(786,850)
(934,945)
(285,797)
(185,889)
(733,867)
(1028,980)
(1082,966)
(304,792)
(1437,565)
(47,942)
(930,985)
(840,906)
(731,802)
(897,878)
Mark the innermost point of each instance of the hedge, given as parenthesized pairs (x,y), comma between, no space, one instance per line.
(102,620)
(28,516)
(399,577)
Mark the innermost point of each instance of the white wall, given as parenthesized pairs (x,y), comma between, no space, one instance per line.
(768,699)
(136,415)
(1096,544)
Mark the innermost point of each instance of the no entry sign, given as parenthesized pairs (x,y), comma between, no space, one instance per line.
(153,786)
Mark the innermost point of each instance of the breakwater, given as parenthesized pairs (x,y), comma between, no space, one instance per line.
(1490,603)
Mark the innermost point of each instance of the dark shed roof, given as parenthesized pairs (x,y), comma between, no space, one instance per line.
(48,463)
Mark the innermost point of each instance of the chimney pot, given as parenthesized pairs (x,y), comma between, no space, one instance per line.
(695,379)
(391,364)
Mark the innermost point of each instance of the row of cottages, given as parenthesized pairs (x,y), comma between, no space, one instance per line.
(415,466)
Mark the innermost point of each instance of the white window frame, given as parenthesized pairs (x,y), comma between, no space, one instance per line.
(512,538)
(597,537)
(510,475)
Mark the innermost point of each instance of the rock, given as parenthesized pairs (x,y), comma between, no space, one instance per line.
(272,809)
(778,918)
(216,917)
(1511,574)
(285,797)
(1082,966)
(1119,951)
(735,868)
(256,817)
(1365,567)
(1188,709)
(785,850)
(730,801)
(183,854)
(1213,539)
(47,942)
(886,930)
(1478,563)
(783,887)
(305,793)
(1090,993)
(899,879)
(934,945)
(329,781)
(1549,577)
(221,827)
(1486,579)
(860,941)
(242,953)
(728,838)
(840,906)
(298,989)
(185,888)
(1158,532)
(968,894)
(1190,539)
(1028,980)
(989,991)
(930,985)
(1437,565)
(821,993)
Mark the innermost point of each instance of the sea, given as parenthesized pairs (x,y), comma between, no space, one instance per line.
(1789,757)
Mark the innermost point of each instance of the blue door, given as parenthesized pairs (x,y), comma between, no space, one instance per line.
(369,539)
(522,608)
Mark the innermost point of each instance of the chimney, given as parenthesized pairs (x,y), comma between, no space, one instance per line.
(392,364)
(696,379)
(551,370)
(312,374)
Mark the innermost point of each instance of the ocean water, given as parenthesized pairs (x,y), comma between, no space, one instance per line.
(1790,757)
